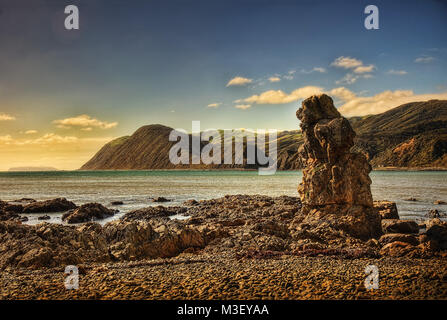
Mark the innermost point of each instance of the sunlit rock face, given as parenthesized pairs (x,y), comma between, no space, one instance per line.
(336,186)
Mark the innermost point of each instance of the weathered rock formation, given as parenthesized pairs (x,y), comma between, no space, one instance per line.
(54,205)
(88,212)
(335,190)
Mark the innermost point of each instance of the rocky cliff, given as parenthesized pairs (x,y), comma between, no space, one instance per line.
(411,135)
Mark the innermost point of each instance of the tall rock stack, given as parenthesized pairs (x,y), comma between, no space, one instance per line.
(335,190)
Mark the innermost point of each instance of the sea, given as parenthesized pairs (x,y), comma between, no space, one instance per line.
(136,188)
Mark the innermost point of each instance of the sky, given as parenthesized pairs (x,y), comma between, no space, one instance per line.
(227,63)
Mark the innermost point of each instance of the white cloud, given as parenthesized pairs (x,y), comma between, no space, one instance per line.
(346,63)
(30,132)
(6,117)
(352,103)
(424,59)
(397,72)
(280,97)
(315,69)
(349,78)
(364,69)
(274,79)
(356,66)
(239,81)
(381,102)
(214,105)
(84,121)
(243,106)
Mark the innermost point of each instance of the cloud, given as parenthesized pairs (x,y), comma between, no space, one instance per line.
(346,63)
(381,102)
(351,103)
(243,106)
(397,72)
(315,69)
(214,105)
(364,69)
(6,117)
(84,121)
(356,66)
(280,97)
(349,78)
(424,59)
(30,132)
(274,79)
(239,81)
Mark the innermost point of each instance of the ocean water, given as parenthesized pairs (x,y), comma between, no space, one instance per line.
(136,188)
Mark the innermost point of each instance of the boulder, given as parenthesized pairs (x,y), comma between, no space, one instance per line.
(336,183)
(437,231)
(397,249)
(411,199)
(45,217)
(386,209)
(399,226)
(88,212)
(55,205)
(153,212)
(439,202)
(160,199)
(434,213)
(116,203)
(401,237)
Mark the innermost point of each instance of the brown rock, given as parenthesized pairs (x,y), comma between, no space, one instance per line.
(399,226)
(386,209)
(401,237)
(160,199)
(55,205)
(437,230)
(396,249)
(335,181)
(439,202)
(88,212)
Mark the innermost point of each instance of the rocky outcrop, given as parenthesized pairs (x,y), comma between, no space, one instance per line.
(399,226)
(88,212)
(437,231)
(386,209)
(153,212)
(336,186)
(54,205)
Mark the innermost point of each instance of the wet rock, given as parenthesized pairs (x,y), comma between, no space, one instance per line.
(15,208)
(336,185)
(437,230)
(434,213)
(117,203)
(386,209)
(55,205)
(401,237)
(160,199)
(46,217)
(399,226)
(88,212)
(439,202)
(190,203)
(411,199)
(153,212)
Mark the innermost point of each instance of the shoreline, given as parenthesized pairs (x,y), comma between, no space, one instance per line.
(234,247)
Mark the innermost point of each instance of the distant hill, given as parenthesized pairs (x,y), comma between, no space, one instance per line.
(411,135)
(26,169)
